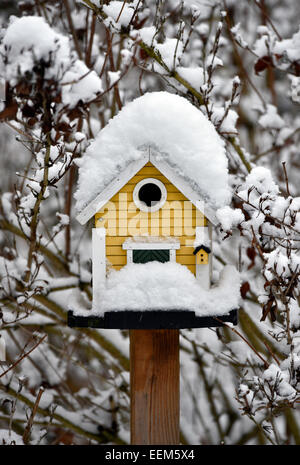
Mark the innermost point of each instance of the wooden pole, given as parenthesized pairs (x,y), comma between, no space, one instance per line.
(154,386)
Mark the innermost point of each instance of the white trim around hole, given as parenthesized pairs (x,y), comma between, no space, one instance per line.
(141,205)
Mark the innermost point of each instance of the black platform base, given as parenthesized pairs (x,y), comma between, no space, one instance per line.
(158,319)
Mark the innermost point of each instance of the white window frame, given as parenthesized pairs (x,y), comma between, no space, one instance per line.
(141,205)
(131,244)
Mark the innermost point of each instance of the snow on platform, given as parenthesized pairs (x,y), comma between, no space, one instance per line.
(165,286)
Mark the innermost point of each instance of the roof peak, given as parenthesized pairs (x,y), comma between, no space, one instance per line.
(176,132)
(161,165)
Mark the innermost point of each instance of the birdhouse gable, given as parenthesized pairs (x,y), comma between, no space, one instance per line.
(160,170)
(164,231)
(170,132)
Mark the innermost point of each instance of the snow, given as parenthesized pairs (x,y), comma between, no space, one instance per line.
(180,134)
(270,119)
(282,52)
(275,376)
(202,238)
(194,75)
(282,264)
(283,135)
(260,47)
(10,271)
(166,286)
(236,31)
(294,314)
(170,51)
(213,60)
(2,349)
(228,121)
(241,351)
(127,56)
(33,33)
(80,83)
(113,77)
(147,35)
(78,19)
(8,437)
(120,12)
(229,217)
(46,400)
(259,181)
(30,42)
(79,136)
(289,47)
(295,88)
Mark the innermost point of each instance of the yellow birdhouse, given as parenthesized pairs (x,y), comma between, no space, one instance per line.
(152,179)
(150,219)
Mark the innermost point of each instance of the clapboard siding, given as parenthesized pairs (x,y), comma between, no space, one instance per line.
(122,219)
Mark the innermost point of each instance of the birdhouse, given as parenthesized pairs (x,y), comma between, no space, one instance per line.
(151,182)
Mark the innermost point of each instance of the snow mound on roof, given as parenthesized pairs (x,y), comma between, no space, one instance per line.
(176,129)
(166,286)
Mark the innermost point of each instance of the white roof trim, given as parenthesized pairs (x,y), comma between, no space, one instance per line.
(183,186)
(117,184)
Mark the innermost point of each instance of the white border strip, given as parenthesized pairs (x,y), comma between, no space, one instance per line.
(99,258)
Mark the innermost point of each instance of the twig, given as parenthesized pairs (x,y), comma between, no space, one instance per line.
(240,153)
(272,353)
(27,431)
(208,390)
(90,43)
(117,97)
(121,11)
(40,196)
(73,31)
(262,7)
(65,422)
(23,356)
(22,133)
(68,204)
(266,364)
(286,179)
(238,57)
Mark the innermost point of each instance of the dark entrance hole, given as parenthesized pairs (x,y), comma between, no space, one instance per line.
(150,194)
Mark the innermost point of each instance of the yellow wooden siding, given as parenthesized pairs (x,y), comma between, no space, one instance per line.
(122,219)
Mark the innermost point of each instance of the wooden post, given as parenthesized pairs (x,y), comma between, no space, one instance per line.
(154,385)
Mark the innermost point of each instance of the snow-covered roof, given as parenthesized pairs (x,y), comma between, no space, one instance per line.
(182,137)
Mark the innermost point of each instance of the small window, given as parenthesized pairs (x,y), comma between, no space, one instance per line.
(149,195)
(145,256)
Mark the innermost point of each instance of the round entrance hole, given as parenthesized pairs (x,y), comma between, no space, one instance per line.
(150,194)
